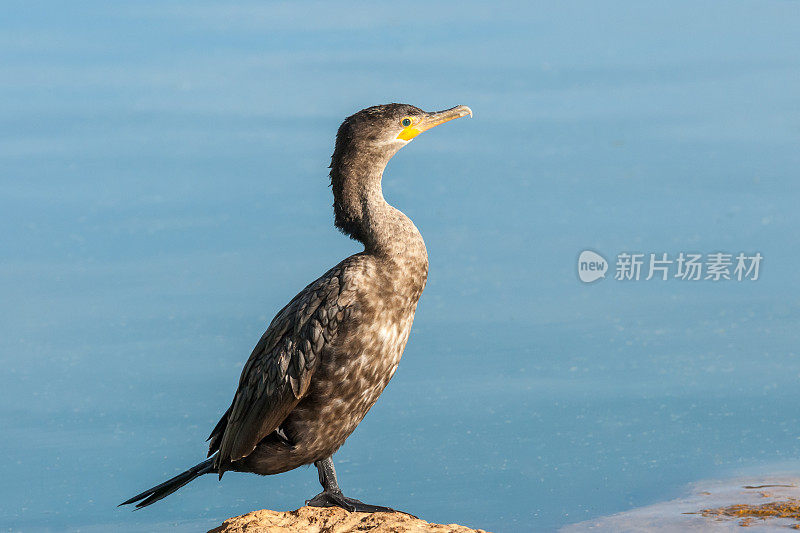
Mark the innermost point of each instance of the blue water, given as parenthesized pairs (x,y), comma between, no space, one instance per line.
(164,193)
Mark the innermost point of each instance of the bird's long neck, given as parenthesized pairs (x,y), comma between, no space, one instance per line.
(363,213)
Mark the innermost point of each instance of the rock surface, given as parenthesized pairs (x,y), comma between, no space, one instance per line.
(332,520)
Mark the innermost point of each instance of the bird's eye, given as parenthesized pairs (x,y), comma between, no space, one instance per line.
(406,122)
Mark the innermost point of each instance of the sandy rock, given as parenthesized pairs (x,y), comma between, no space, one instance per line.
(332,520)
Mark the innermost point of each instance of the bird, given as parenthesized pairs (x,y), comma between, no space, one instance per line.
(327,356)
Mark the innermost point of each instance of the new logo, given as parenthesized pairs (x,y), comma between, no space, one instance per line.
(591,266)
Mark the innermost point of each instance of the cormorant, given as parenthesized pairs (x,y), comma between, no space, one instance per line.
(327,356)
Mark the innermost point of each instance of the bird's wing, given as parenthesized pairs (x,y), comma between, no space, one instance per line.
(279,370)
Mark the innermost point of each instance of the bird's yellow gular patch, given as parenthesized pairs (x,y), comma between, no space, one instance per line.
(409,133)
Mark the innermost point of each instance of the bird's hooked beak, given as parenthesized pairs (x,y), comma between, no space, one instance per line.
(433,119)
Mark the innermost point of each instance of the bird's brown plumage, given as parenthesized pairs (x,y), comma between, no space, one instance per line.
(327,356)
(279,371)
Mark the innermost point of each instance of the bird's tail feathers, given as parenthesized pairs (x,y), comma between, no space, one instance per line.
(171,485)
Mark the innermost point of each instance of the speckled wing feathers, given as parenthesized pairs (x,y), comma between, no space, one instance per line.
(279,371)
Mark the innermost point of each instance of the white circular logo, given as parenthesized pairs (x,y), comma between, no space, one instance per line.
(591,266)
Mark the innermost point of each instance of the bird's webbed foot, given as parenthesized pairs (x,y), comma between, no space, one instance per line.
(337,499)
(332,495)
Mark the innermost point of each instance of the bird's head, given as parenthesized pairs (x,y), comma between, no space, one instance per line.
(364,144)
(384,129)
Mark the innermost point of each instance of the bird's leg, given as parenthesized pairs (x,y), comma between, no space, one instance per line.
(331,495)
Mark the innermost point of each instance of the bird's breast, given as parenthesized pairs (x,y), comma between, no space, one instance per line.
(352,376)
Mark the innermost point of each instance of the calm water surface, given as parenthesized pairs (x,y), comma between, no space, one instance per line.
(164,193)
